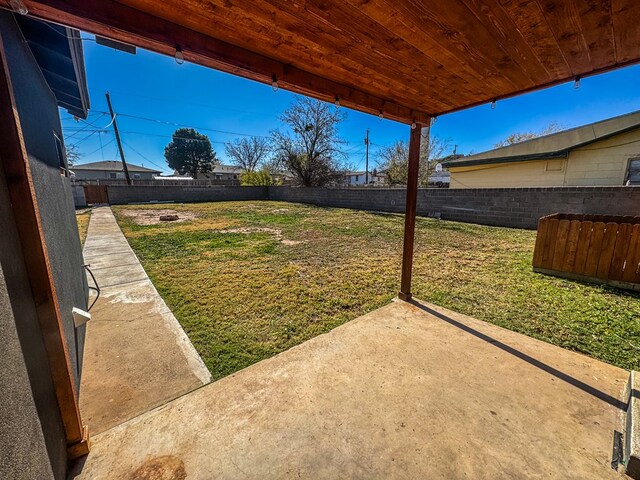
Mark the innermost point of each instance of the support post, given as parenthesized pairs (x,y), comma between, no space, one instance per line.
(410,209)
(366,168)
(115,129)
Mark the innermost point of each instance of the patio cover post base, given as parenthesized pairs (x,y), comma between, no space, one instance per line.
(405,297)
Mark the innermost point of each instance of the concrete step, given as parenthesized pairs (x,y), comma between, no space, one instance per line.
(631,458)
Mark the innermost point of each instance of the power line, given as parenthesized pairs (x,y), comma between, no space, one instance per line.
(143,157)
(100,148)
(89,124)
(86,138)
(165,122)
(171,101)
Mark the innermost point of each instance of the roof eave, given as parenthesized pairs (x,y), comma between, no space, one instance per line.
(509,159)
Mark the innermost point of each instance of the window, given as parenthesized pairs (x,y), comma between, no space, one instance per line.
(633,172)
(218,176)
(554,166)
(113,175)
(357,177)
(136,176)
(60,152)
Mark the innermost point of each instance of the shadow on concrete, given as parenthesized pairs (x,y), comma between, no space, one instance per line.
(605,397)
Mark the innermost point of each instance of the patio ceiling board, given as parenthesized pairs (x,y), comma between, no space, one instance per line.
(626,32)
(411,58)
(358,53)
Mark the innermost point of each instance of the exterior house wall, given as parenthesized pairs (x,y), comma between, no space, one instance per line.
(356,179)
(602,163)
(507,175)
(605,162)
(106,175)
(38,112)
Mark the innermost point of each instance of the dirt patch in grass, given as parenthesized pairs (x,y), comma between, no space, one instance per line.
(248,230)
(152,217)
(273,231)
(245,295)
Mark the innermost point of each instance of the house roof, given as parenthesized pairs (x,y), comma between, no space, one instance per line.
(407,59)
(219,168)
(555,145)
(58,52)
(113,166)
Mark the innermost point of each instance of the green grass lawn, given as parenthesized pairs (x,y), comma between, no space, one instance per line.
(82,218)
(250,279)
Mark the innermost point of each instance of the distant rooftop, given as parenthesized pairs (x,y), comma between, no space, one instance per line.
(227,169)
(555,145)
(113,166)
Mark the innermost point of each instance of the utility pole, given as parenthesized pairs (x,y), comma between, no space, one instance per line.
(366,168)
(455,150)
(115,129)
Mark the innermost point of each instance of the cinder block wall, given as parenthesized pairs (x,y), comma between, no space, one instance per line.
(79,199)
(508,207)
(123,194)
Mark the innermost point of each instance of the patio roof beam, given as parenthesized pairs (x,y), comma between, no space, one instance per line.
(417,134)
(120,22)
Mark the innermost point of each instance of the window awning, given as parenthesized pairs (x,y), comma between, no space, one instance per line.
(406,59)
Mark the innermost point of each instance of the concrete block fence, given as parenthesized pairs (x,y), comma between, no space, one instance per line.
(123,194)
(507,207)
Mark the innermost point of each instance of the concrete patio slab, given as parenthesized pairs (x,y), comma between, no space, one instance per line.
(136,355)
(408,391)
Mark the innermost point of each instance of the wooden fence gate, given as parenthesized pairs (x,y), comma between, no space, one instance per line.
(597,248)
(94,194)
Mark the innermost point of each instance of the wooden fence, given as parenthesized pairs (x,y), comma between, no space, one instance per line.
(597,248)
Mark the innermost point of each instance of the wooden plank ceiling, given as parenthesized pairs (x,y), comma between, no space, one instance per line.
(410,59)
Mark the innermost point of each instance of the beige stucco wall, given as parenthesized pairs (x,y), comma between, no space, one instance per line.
(601,163)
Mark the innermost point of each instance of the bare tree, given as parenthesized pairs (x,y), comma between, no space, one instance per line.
(394,160)
(73,154)
(248,153)
(312,153)
(518,137)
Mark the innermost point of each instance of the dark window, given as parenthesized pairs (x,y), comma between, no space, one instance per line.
(113,175)
(633,172)
(60,152)
(136,176)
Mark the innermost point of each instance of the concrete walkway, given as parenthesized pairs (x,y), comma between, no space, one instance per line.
(407,391)
(136,354)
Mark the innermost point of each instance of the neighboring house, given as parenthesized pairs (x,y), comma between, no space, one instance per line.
(42,277)
(112,170)
(356,178)
(440,178)
(222,172)
(605,153)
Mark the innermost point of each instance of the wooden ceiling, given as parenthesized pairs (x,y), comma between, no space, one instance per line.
(410,59)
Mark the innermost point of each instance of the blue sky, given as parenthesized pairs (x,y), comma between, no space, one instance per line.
(157,88)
